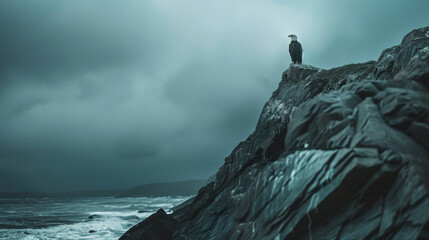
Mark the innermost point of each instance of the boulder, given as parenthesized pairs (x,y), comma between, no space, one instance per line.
(158,226)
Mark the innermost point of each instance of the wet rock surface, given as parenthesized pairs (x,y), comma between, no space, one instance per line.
(336,154)
(158,226)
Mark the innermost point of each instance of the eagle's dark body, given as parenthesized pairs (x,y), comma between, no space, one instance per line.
(295,50)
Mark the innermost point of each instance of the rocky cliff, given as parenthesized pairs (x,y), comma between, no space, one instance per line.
(336,154)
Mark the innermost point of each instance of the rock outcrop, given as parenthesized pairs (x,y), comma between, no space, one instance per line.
(158,226)
(336,154)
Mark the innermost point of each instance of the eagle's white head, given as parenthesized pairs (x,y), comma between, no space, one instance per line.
(294,37)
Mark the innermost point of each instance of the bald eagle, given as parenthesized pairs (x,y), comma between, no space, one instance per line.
(295,49)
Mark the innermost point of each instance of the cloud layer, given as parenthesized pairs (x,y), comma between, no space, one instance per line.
(107,94)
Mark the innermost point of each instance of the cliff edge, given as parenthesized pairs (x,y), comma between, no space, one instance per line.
(336,154)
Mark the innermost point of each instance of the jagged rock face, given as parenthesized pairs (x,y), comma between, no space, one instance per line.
(158,226)
(411,55)
(336,154)
(354,170)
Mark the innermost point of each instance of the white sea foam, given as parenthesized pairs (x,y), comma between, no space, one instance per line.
(68,219)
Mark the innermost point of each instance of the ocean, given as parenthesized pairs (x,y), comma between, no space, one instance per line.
(77,218)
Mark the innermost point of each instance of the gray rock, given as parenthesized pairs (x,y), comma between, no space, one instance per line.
(158,226)
(94,216)
(336,154)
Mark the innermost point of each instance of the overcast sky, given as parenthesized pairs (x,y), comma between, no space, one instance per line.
(107,94)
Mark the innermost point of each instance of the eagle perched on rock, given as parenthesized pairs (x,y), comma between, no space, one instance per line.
(295,50)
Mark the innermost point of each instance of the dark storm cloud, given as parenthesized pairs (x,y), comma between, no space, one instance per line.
(52,37)
(112,94)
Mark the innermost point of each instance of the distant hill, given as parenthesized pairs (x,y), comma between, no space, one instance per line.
(183,188)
